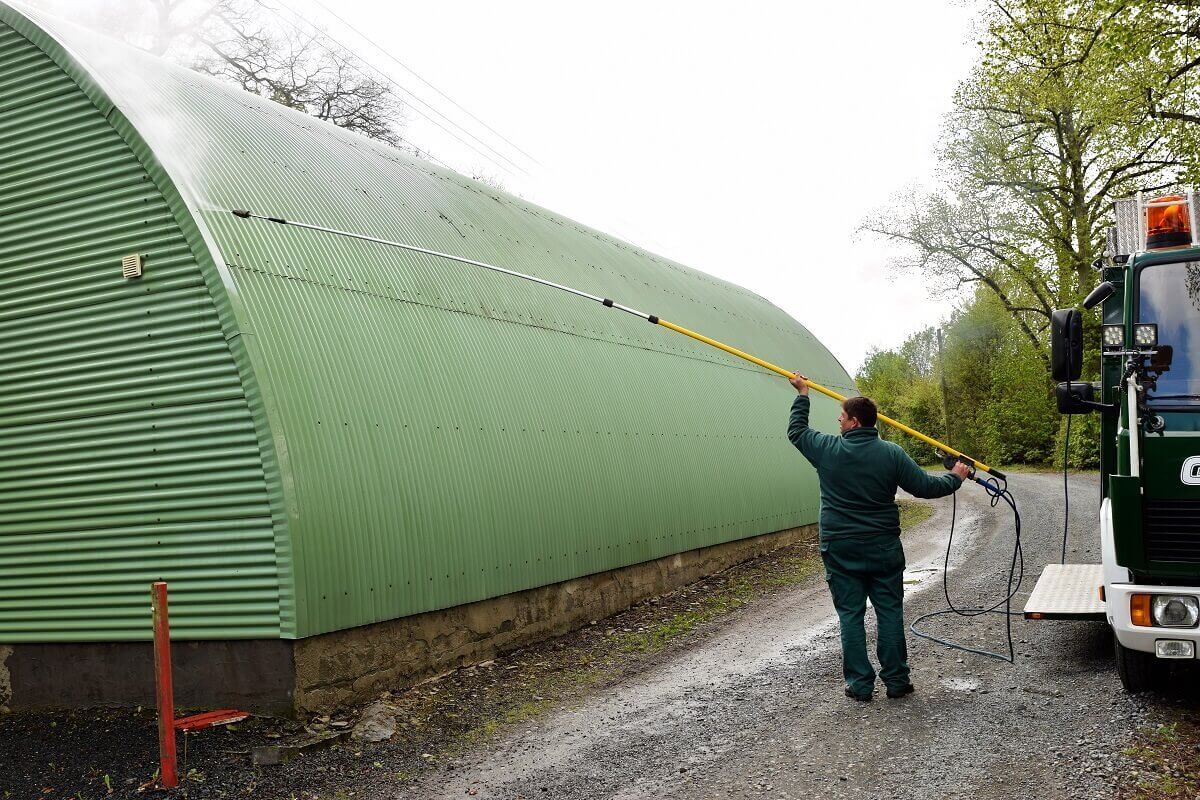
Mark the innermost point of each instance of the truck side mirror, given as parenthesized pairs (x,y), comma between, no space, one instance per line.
(1072,397)
(1099,295)
(1066,345)
(1161,360)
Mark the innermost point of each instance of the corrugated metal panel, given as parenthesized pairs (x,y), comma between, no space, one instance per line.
(446,434)
(128,452)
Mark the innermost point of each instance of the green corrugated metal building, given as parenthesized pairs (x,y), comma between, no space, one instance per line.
(302,433)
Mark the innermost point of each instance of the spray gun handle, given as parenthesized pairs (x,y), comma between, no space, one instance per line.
(948,461)
(990,486)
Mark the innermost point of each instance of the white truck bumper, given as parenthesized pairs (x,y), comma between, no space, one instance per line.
(1136,637)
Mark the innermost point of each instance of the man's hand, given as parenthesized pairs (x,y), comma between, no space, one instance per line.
(801,384)
(961,470)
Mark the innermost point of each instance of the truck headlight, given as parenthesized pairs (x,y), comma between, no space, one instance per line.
(1175,610)
(1112,337)
(1145,335)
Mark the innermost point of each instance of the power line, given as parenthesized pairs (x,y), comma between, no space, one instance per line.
(413,72)
(409,92)
(432,121)
(421,152)
(416,98)
(455,124)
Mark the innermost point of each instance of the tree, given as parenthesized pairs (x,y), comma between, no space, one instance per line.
(487,178)
(959,242)
(1041,139)
(904,385)
(1164,35)
(997,396)
(307,72)
(251,44)
(1168,32)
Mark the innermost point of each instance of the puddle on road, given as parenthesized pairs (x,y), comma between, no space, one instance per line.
(914,577)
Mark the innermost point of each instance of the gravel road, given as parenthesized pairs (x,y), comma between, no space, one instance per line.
(756,710)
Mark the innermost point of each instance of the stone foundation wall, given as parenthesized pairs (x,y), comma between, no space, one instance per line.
(350,666)
(282,677)
(5,679)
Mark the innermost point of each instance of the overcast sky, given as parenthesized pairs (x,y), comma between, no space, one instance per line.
(746,140)
(743,139)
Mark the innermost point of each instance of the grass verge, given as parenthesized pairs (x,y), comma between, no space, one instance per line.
(1165,762)
(913,513)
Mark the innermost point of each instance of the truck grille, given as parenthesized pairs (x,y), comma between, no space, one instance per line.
(1172,530)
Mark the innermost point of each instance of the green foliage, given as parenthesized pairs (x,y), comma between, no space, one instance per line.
(903,385)
(1084,452)
(997,392)
(1069,106)
(913,513)
(1021,423)
(971,339)
(1021,420)
(1048,128)
(1154,45)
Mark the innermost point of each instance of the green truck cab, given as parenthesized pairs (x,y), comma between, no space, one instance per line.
(1147,585)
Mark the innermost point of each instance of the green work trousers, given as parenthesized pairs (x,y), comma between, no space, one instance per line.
(858,567)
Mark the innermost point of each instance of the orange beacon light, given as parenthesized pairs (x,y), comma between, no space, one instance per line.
(1167,223)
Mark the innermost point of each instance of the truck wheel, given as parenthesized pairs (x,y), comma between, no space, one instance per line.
(1138,670)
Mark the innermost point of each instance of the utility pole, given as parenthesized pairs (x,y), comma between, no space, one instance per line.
(945,393)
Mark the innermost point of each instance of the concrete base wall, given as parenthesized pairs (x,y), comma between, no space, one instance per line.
(340,668)
(350,666)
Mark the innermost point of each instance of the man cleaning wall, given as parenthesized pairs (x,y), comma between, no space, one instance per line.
(860,533)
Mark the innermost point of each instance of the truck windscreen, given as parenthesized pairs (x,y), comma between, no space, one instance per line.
(1170,298)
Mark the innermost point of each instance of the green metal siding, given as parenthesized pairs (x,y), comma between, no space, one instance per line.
(127,449)
(444,434)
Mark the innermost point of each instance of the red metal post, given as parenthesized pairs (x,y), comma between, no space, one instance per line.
(164,690)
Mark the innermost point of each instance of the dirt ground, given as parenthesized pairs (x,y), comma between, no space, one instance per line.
(113,753)
(727,688)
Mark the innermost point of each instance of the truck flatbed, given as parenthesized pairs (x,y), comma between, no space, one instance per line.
(1067,591)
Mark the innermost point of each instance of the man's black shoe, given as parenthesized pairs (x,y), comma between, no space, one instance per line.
(862,698)
(903,690)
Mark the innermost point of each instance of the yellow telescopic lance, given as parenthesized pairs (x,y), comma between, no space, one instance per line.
(900,426)
(733,351)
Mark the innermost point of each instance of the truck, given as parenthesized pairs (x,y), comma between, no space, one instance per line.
(1147,586)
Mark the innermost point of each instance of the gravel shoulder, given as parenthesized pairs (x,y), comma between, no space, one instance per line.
(756,710)
(730,687)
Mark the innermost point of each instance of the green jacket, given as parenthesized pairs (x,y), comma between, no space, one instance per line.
(859,473)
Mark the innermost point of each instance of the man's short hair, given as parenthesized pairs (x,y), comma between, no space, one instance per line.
(862,409)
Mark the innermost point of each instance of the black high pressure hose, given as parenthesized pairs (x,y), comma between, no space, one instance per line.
(1066,491)
(1016,574)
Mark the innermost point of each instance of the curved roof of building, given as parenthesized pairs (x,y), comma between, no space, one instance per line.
(511,425)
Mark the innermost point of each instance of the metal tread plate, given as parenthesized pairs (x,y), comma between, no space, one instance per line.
(1067,591)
